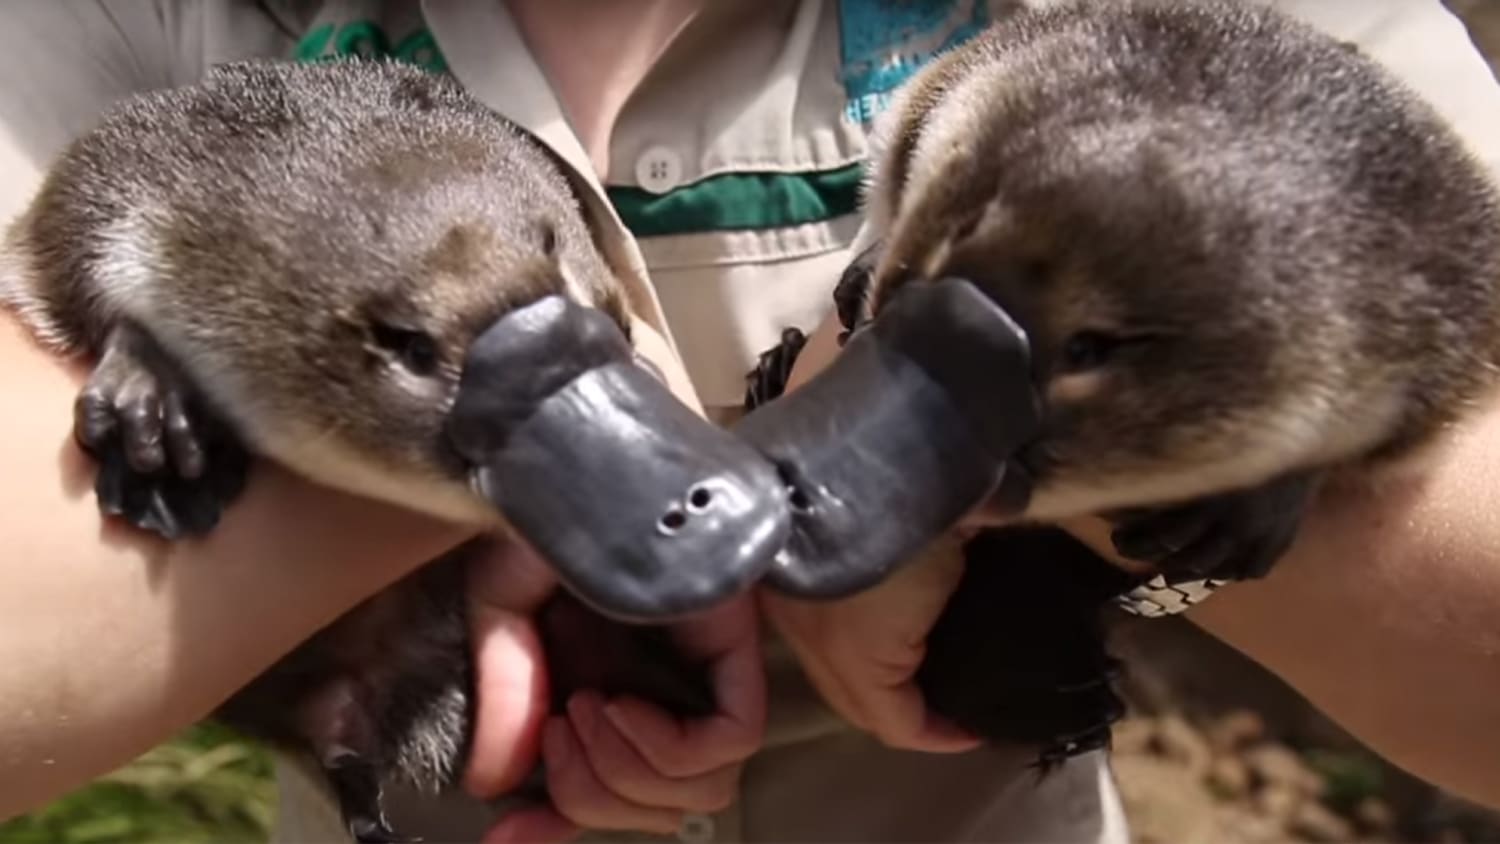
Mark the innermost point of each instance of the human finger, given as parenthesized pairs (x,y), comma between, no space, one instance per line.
(506,583)
(621,768)
(694,747)
(583,799)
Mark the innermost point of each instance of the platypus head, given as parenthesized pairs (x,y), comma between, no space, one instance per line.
(408,301)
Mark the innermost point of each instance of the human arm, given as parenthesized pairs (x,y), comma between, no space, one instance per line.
(175,610)
(114,640)
(1385,614)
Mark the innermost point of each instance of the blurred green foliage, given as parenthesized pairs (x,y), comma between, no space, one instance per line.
(207,785)
(1349,776)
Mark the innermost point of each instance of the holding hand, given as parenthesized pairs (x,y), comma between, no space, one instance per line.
(628,764)
(862,652)
(621,764)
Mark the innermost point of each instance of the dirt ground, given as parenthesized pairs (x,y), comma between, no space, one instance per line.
(1217,751)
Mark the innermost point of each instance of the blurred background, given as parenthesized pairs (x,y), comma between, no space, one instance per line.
(1483,18)
(1217,751)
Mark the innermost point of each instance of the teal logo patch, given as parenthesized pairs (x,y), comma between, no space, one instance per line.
(884,42)
(365,39)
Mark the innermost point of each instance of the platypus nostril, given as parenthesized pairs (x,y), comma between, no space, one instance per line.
(799,500)
(914,417)
(672,521)
(793,481)
(645,509)
(699,499)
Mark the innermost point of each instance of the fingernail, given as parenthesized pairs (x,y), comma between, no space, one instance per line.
(616,716)
(943,735)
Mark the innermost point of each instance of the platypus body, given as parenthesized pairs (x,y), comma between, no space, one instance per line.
(360,272)
(1239,260)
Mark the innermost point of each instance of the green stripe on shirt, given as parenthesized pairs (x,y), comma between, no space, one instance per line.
(740,201)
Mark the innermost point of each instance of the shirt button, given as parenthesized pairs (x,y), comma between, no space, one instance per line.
(696,829)
(659,170)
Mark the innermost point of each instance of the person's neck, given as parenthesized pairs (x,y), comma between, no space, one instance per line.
(595,53)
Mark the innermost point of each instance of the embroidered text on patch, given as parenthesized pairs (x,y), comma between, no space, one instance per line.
(885,42)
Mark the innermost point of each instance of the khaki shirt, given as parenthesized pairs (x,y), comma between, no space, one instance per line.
(733,201)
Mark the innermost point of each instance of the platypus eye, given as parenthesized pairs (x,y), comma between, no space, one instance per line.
(1087,350)
(416,350)
(548,238)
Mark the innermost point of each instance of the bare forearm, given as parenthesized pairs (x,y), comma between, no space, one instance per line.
(113,641)
(1386,615)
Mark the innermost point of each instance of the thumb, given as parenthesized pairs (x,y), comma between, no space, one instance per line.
(507,583)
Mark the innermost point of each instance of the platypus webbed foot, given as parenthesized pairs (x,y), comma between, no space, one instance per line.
(851,296)
(1019,653)
(382,699)
(1235,536)
(166,463)
(356,785)
(917,417)
(646,510)
(773,369)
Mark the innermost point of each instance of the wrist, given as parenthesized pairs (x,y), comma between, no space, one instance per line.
(126,638)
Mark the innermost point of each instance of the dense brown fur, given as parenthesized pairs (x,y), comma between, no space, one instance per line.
(312,249)
(244,205)
(1295,258)
(1248,261)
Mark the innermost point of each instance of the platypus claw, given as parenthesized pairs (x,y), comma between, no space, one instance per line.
(1235,536)
(165,463)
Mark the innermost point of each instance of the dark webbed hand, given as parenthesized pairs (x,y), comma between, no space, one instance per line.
(773,369)
(386,695)
(1235,536)
(166,463)
(1019,653)
(357,787)
(851,296)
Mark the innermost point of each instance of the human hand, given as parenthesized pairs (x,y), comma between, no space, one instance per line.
(622,764)
(507,587)
(862,653)
(627,764)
